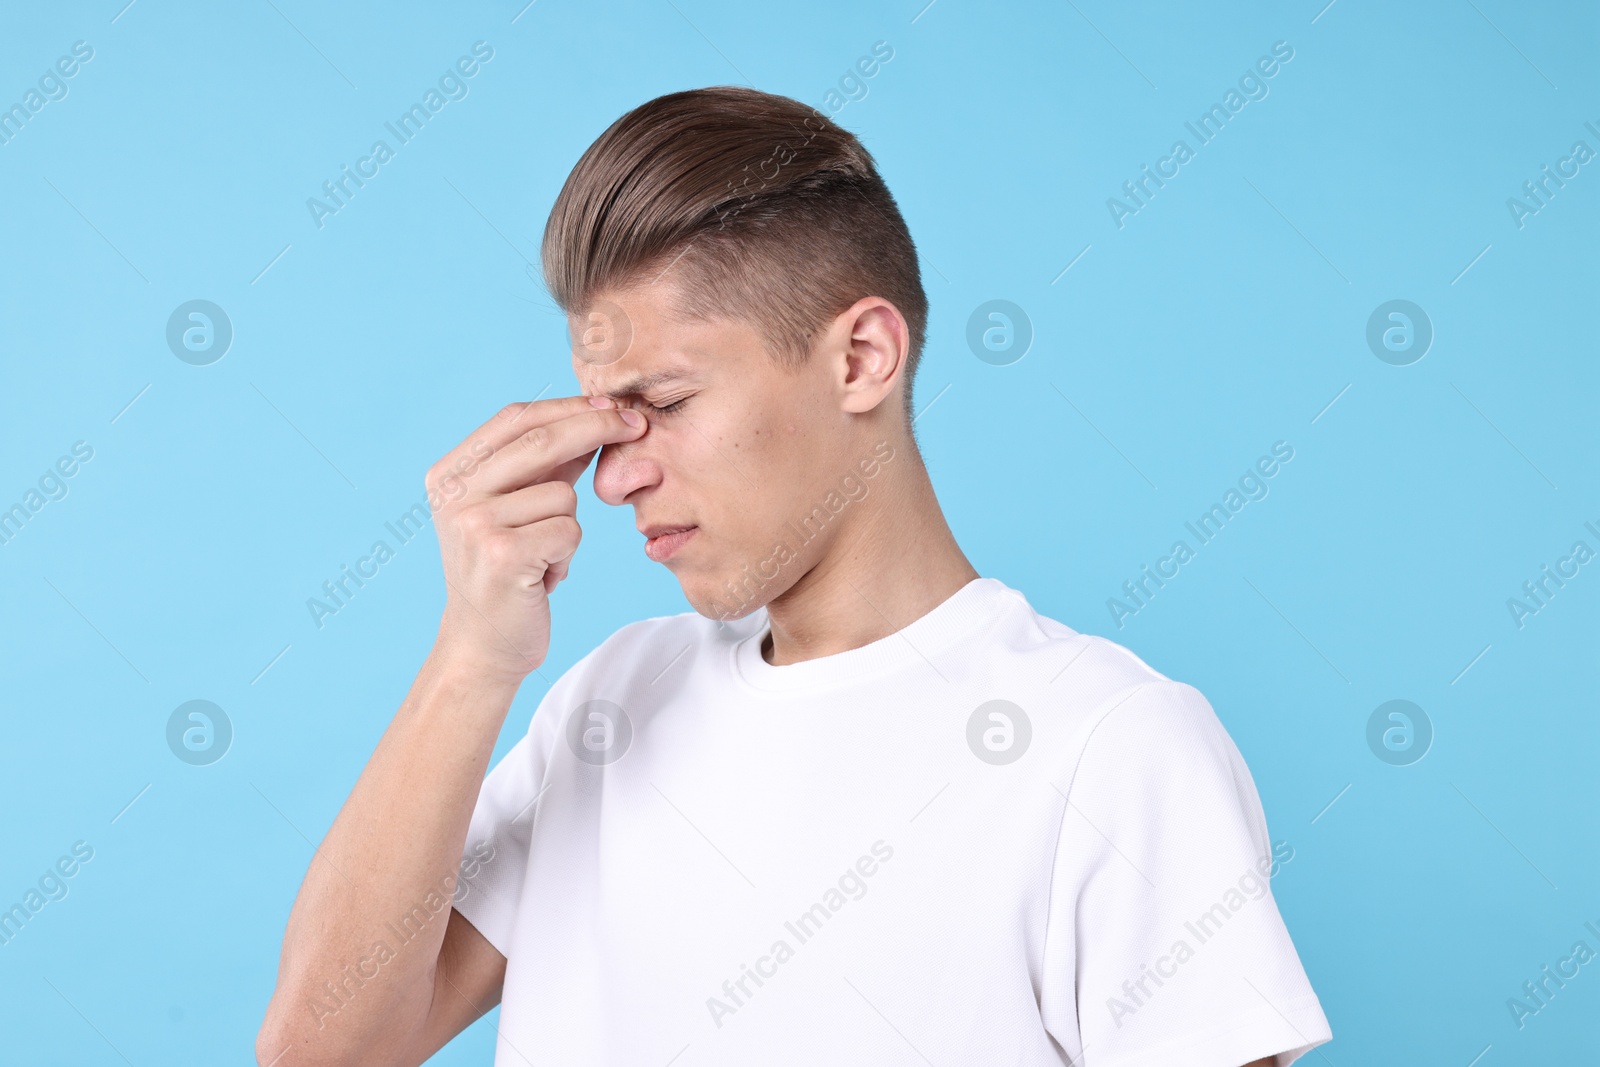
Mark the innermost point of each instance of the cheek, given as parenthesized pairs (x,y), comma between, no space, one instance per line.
(740,483)
(772,461)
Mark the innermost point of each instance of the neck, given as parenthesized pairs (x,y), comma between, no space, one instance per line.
(892,563)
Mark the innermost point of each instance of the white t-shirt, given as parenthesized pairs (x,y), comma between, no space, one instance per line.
(984,839)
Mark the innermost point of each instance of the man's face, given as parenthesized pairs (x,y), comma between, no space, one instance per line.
(736,447)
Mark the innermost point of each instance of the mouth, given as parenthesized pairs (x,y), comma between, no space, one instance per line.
(663,541)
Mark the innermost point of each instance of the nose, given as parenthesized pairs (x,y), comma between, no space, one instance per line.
(623,469)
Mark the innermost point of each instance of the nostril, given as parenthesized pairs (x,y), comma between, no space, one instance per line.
(620,472)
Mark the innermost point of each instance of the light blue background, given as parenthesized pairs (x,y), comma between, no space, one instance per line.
(1226,315)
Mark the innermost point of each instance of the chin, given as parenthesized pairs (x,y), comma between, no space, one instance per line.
(721,596)
(721,608)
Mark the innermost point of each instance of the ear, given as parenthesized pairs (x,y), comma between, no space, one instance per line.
(869,343)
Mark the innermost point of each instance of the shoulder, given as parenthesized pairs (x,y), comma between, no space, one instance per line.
(1086,675)
(1107,706)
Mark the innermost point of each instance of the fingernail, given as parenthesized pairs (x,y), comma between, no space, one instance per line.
(632,418)
(600,401)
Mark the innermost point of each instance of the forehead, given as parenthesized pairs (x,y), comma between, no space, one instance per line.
(625,344)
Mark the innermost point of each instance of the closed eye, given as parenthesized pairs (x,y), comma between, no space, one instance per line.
(669,409)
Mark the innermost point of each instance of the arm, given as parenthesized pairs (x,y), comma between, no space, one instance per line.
(349,989)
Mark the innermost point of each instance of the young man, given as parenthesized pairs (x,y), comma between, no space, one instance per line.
(861,806)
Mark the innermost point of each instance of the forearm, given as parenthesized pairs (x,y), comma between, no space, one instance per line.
(356,975)
(361,952)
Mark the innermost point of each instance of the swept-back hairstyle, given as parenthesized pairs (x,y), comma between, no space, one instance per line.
(764,208)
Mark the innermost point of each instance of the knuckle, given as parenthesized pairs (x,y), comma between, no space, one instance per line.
(564,497)
(537,439)
(447,489)
(500,549)
(567,530)
(476,521)
(558,537)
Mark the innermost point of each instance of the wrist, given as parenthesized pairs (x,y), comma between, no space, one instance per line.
(468,671)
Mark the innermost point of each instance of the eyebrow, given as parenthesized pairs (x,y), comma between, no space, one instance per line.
(637,385)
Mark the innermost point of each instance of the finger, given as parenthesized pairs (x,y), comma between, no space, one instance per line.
(556,574)
(544,544)
(506,425)
(533,503)
(538,454)
(573,469)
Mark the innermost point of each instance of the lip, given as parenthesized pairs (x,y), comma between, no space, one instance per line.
(663,541)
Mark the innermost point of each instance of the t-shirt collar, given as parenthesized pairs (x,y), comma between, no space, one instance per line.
(962,613)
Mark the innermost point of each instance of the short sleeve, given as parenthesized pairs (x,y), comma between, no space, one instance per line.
(494,859)
(1164,944)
